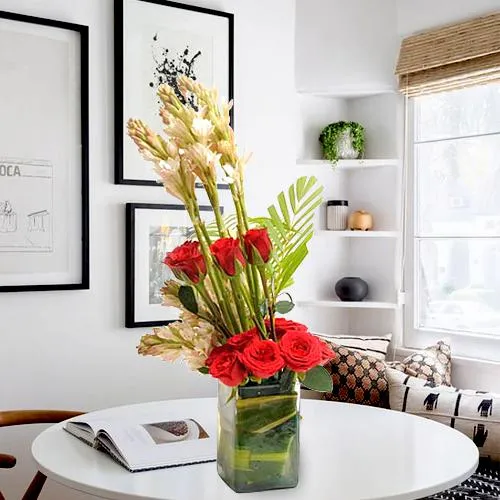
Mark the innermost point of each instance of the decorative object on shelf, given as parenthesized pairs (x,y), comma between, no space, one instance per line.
(229,278)
(342,141)
(44,180)
(336,215)
(360,221)
(155,42)
(152,230)
(351,289)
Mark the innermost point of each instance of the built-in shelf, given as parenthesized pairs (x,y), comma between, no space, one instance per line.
(366,304)
(360,234)
(350,92)
(350,164)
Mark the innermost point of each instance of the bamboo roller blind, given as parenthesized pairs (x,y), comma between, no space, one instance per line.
(451,57)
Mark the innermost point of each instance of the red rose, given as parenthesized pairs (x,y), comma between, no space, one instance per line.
(227,253)
(262,358)
(186,261)
(223,364)
(282,325)
(258,246)
(242,340)
(327,353)
(301,350)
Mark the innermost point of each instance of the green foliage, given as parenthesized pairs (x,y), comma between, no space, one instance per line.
(284,306)
(331,134)
(318,379)
(290,227)
(188,299)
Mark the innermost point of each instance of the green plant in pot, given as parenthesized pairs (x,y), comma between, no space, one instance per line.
(342,140)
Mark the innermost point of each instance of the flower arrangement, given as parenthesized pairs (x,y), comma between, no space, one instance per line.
(230,277)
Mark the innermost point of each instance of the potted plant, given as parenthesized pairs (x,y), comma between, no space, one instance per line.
(342,140)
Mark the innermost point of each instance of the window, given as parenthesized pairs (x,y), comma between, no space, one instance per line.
(453,265)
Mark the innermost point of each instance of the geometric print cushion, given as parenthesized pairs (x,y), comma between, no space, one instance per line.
(373,346)
(357,378)
(432,364)
(474,413)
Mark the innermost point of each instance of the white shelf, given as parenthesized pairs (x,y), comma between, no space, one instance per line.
(351,164)
(368,304)
(349,92)
(361,234)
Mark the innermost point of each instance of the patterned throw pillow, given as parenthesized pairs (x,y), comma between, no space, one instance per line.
(432,364)
(474,413)
(373,346)
(357,378)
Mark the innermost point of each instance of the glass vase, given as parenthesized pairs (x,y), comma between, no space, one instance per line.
(258,435)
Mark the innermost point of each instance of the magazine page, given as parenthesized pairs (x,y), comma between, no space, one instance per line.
(169,441)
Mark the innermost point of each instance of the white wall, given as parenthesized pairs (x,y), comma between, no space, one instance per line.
(343,43)
(70,349)
(425,14)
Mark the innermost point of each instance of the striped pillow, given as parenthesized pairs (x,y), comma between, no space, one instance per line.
(375,347)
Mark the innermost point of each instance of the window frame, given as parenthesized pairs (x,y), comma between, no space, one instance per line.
(469,345)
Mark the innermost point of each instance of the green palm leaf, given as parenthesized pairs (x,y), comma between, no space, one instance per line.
(290,227)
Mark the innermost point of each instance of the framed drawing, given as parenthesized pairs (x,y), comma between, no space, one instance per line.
(155,41)
(152,230)
(44,184)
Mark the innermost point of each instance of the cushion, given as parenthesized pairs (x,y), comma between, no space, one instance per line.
(374,346)
(432,364)
(474,413)
(357,378)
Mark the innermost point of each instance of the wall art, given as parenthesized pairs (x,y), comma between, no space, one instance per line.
(152,230)
(44,215)
(155,41)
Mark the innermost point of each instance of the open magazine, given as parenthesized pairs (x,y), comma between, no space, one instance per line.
(149,444)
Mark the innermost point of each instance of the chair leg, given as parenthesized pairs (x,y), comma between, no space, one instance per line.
(35,487)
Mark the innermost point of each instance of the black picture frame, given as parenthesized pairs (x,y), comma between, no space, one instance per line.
(120,118)
(130,259)
(83,32)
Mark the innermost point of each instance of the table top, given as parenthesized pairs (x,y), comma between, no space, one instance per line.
(348,452)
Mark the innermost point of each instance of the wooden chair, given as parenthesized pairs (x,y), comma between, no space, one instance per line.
(24,417)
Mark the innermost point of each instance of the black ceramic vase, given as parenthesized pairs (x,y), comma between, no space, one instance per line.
(351,289)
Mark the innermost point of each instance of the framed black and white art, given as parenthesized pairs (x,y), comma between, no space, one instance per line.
(152,230)
(44,215)
(155,41)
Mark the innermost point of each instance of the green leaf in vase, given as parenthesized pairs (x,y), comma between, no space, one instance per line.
(188,299)
(284,306)
(318,379)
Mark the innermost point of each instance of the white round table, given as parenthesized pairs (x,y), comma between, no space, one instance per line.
(348,452)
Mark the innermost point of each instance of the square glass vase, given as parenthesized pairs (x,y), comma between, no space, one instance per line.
(258,435)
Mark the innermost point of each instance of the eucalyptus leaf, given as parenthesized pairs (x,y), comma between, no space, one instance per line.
(318,379)
(188,299)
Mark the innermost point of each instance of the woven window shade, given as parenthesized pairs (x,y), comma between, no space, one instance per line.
(452,57)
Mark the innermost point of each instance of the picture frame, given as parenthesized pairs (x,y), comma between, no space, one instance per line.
(44,155)
(148,239)
(149,52)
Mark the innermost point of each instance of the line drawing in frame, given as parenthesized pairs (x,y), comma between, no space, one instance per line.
(34,232)
(26,221)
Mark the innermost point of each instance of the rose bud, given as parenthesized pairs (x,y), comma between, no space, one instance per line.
(228,255)
(258,246)
(187,262)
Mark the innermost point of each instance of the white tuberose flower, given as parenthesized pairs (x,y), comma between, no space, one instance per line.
(202,129)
